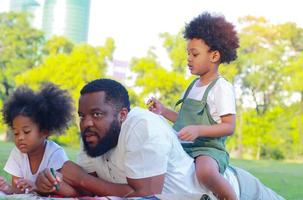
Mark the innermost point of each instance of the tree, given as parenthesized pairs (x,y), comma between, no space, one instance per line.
(71,69)
(265,51)
(166,84)
(20,48)
(293,84)
(267,72)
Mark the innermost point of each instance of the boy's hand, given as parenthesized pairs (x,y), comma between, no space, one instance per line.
(25,186)
(189,133)
(5,186)
(155,106)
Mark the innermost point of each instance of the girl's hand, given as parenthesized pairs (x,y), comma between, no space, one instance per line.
(155,106)
(189,133)
(5,186)
(26,186)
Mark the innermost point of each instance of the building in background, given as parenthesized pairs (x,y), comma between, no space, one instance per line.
(69,18)
(119,70)
(23,5)
(30,6)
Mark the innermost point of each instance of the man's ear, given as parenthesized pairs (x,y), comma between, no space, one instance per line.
(215,56)
(122,114)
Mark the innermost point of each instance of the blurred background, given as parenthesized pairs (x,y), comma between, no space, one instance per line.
(140,43)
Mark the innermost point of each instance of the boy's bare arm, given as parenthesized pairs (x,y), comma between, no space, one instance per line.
(225,128)
(170,114)
(157,107)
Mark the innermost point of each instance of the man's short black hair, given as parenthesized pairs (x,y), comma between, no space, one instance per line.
(51,108)
(114,91)
(216,32)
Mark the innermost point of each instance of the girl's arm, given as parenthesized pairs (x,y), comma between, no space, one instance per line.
(5,186)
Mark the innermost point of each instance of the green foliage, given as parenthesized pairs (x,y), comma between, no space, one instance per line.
(294,74)
(155,80)
(265,51)
(2,125)
(58,44)
(175,45)
(268,71)
(70,138)
(268,74)
(20,48)
(71,70)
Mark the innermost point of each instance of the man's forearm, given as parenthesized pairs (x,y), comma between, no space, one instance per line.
(78,178)
(101,187)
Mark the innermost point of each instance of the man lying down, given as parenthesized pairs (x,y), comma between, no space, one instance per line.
(134,153)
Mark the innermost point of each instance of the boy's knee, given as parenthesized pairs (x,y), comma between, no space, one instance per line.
(207,174)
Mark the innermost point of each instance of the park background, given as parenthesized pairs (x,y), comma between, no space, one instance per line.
(267,75)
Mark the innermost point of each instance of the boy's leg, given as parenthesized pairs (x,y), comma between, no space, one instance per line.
(207,171)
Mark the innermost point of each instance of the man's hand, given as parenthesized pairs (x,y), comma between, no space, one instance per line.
(46,182)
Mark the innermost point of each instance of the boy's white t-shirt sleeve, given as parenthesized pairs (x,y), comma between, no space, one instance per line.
(224,98)
(146,155)
(13,165)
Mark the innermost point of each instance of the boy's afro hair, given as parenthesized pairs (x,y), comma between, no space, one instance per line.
(51,108)
(216,32)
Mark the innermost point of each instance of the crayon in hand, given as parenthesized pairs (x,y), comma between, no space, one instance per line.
(150,103)
(54,175)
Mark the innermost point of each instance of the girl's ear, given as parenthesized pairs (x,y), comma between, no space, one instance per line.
(122,114)
(215,56)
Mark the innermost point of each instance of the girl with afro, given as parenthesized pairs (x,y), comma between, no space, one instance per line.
(33,117)
(207,113)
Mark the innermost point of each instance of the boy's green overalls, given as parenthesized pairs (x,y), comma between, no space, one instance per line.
(194,112)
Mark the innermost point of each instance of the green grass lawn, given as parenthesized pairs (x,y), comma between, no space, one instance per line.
(283,177)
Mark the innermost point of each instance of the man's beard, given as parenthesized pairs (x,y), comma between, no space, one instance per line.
(108,142)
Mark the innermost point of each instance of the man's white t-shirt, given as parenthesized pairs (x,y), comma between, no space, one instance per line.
(18,162)
(221,98)
(147,147)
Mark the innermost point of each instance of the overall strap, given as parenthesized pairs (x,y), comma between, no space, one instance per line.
(186,92)
(209,87)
